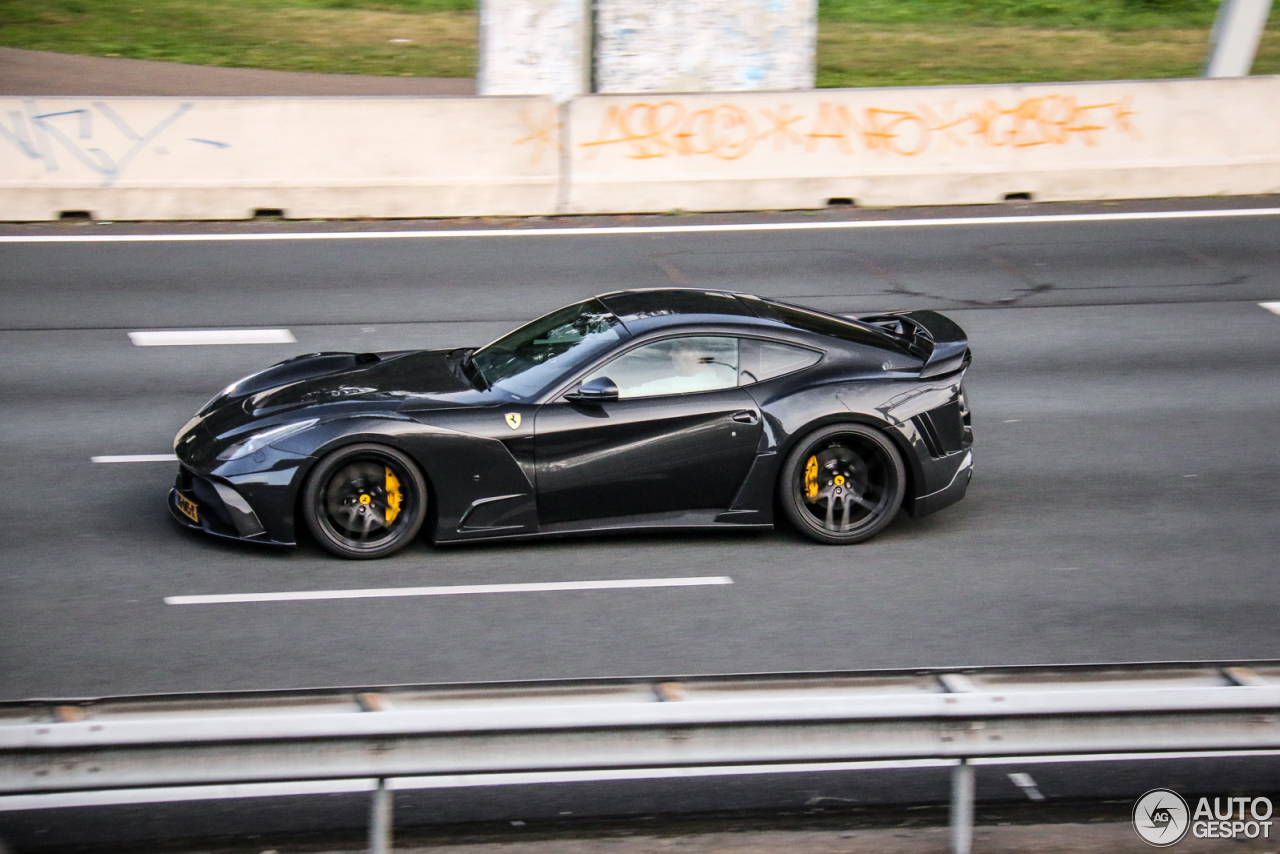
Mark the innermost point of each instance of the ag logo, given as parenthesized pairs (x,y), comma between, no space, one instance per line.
(1161,818)
(513,420)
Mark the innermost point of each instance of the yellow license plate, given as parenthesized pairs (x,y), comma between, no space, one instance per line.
(188,508)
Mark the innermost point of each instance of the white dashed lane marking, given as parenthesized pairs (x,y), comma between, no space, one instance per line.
(1273,307)
(135,458)
(456,590)
(196,337)
(1028,786)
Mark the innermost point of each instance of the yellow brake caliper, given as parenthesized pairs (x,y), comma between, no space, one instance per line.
(393,497)
(811,480)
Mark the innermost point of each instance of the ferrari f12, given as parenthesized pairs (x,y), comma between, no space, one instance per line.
(635,410)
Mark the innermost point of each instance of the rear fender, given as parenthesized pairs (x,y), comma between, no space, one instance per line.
(799,414)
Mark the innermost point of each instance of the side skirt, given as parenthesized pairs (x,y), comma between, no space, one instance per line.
(680,520)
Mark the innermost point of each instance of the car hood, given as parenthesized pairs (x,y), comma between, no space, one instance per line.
(376,377)
(321,385)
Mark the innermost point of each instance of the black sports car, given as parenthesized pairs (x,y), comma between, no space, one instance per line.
(656,409)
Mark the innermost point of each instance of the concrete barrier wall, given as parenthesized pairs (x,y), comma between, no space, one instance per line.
(168,158)
(927,145)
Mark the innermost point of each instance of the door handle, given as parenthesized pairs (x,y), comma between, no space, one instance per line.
(746,417)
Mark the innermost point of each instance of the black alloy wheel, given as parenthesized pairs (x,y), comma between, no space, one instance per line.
(365,501)
(842,483)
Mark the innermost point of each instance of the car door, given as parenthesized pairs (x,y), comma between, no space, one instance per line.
(673,440)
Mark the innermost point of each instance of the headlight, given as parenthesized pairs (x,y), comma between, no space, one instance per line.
(258,441)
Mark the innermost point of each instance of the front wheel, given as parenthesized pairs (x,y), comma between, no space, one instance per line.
(365,501)
(842,483)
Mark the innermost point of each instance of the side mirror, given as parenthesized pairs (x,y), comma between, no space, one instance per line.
(598,390)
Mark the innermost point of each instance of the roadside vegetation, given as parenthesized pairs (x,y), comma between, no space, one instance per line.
(915,42)
(417,38)
(860,42)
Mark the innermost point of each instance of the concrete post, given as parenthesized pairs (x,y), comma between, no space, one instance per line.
(705,45)
(1234,40)
(535,47)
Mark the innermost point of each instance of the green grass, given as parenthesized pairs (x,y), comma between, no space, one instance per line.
(928,42)
(1109,14)
(333,36)
(860,42)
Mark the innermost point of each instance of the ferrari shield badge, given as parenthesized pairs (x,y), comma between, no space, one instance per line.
(513,420)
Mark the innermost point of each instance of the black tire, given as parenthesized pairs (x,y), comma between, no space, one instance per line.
(842,483)
(350,502)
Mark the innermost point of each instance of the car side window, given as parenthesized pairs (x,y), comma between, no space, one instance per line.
(674,366)
(764,360)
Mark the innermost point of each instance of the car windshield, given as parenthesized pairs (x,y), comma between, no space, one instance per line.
(526,362)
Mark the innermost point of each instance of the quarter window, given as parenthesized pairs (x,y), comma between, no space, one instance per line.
(764,360)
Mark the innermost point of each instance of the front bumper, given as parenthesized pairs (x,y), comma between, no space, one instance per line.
(216,508)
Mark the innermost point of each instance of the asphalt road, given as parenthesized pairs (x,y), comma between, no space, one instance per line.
(1123,508)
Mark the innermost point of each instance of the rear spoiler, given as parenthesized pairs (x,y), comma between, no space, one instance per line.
(933,337)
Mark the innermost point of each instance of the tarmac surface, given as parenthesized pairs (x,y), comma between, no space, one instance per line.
(1122,507)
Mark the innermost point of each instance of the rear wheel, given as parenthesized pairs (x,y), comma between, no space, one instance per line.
(842,483)
(365,501)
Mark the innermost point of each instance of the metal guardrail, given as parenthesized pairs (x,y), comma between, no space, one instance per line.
(683,723)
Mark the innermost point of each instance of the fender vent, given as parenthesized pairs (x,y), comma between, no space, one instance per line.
(924,426)
(942,429)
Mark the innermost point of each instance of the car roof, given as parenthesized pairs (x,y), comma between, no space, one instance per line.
(643,311)
(670,302)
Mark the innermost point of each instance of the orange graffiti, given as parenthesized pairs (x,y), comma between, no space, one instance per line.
(543,133)
(729,132)
(1049,121)
(656,130)
(832,123)
(781,131)
(896,131)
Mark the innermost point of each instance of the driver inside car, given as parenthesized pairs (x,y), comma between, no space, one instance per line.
(691,368)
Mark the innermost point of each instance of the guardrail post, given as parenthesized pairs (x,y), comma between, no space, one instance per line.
(380,819)
(962,808)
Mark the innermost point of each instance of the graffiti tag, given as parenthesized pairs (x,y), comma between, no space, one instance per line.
(75,133)
(730,132)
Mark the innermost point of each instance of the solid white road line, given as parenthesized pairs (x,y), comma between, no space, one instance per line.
(135,458)
(1273,307)
(641,229)
(454,590)
(195,337)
